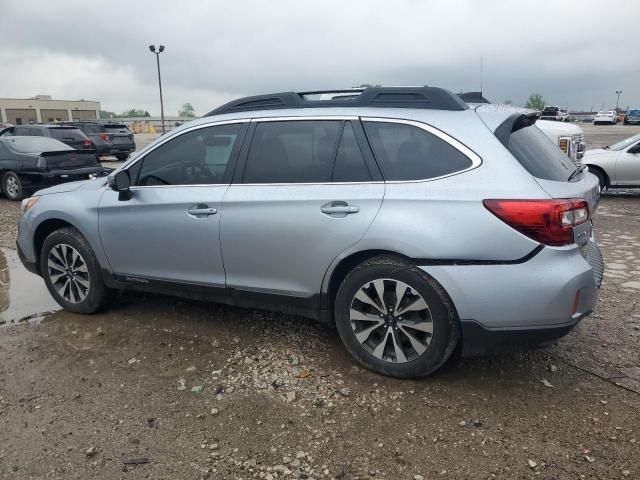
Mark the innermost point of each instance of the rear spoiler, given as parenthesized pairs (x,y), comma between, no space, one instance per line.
(64,152)
(514,123)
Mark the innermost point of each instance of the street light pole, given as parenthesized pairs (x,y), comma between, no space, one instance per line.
(157,53)
(618,92)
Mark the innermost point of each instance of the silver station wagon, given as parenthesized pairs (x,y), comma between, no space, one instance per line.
(414,224)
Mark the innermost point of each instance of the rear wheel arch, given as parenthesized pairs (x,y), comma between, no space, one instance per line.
(600,173)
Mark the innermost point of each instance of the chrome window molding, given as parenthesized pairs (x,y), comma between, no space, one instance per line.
(476,161)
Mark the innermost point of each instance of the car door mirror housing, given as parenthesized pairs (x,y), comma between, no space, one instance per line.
(121,183)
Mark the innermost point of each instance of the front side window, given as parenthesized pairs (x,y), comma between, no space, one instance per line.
(198,157)
(406,152)
(300,151)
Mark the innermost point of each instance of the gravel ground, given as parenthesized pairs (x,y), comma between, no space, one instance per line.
(158,387)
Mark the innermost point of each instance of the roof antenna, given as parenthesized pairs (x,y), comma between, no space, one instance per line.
(480,76)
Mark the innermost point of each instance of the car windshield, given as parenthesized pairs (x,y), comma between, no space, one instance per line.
(633,112)
(604,113)
(624,143)
(34,144)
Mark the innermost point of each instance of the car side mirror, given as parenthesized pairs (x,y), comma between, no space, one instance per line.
(121,183)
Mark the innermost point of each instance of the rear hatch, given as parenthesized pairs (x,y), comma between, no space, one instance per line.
(69,159)
(71,136)
(557,175)
(119,133)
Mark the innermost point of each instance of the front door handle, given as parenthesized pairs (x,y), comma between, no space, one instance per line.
(339,209)
(201,210)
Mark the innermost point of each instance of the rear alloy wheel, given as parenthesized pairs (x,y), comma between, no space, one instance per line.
(122,156)
(12,186)
(395,319)
(72,273)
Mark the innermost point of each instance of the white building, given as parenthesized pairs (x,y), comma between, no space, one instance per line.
(43,109)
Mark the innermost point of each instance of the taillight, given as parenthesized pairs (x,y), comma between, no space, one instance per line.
(546,221)
(104,137)
(87,143)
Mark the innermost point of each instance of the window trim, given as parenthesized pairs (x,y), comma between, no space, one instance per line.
(475,159)
(233,159)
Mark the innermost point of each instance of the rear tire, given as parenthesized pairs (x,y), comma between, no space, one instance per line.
(413,341)
(122,156)
(72,272)
(12,186)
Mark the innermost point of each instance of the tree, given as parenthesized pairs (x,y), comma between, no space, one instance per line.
(134,113)
(508,102)
(106,114)
(187,110)
(535,102)
(367,85)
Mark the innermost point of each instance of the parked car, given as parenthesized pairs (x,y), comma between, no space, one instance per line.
(616,165)
(608,116)
(555,114)
(411,222)
(632,116)
(5,125)
(28,164)
(568,137)
(71,136)
(122,139)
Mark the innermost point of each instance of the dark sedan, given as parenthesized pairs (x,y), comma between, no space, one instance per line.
(28,164)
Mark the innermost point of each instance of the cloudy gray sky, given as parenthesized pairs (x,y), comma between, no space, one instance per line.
(575,53)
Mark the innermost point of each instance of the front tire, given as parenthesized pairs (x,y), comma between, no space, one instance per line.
(395,319)
(72,272)
(12,186)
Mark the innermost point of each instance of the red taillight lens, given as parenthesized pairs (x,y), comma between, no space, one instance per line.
(104,137)
(87,143)
(547,221)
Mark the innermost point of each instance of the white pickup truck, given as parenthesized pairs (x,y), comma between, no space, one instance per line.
(554,113)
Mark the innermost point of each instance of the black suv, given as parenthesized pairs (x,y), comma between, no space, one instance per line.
(108,138)
(68,135)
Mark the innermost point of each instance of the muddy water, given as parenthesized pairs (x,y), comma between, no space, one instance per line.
(23,295)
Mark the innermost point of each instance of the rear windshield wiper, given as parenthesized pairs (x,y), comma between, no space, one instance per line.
(577,172)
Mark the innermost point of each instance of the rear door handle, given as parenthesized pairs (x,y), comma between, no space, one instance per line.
(339,209)
(201,210)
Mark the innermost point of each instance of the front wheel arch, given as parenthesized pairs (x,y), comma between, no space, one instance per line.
(605,181)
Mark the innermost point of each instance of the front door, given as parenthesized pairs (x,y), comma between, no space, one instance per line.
(170,227)
(305,194)
(628,166)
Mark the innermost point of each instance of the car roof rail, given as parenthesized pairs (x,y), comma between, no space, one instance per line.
(432,98)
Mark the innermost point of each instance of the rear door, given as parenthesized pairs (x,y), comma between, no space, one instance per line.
(305,191)
(169,229)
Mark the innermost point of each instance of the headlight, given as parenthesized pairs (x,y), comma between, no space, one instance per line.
(27,203)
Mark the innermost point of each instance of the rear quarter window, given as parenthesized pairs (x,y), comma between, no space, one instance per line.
(539,155)
(406,152)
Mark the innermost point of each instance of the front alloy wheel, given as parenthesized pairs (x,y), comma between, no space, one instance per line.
(68,273)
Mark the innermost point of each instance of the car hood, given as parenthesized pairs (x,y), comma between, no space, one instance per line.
(559,129)
(93,184)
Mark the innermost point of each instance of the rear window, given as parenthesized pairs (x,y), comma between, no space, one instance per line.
(550,109)
(116,128)
(406,152)
(539,155)
(67,134)
(35,145)
(91,128)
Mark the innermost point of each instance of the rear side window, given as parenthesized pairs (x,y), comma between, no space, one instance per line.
(539,155)
(67,134)
(298,151)
(406,152)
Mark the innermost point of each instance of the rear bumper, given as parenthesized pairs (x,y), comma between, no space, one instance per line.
(536,300)
(28,264)
(36,180)
(478,340)
(123,148)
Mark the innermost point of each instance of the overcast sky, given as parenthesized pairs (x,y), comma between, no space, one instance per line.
(575,53)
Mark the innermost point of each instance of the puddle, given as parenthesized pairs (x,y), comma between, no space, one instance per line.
(23,295)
